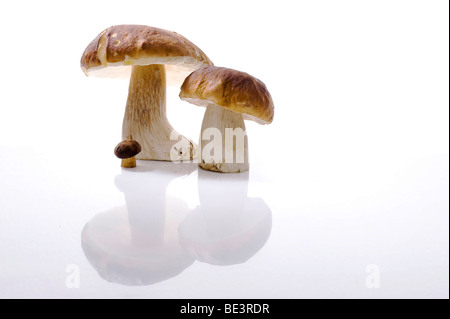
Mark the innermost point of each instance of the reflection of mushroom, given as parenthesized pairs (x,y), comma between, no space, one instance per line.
(230,97)
(127,151)
(151,52)
(139,244)
(222,231)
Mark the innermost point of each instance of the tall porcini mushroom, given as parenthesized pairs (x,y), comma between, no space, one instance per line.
(229,96)
(147,54)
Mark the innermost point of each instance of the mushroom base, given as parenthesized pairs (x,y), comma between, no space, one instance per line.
(129,162)
(223,141)
(145,119)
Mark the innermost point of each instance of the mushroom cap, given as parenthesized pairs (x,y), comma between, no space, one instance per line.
(127,149)
(120,46)
(234,90)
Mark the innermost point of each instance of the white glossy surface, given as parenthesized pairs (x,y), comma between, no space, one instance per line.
(352,175)
(197,237)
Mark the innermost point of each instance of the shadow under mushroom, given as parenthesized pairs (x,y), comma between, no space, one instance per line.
(138,244)
(228,227)
(156,237)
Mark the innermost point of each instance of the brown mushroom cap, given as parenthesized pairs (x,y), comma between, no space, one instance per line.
(234,90)
(127,149)
(123,45)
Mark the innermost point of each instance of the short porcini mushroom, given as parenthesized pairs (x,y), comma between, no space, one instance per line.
(147,53)
(229,96)
(127,151)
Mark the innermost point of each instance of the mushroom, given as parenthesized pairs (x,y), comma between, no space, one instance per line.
(127,151)
(229,96)
(145,53)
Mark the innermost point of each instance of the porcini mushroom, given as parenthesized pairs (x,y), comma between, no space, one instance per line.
(147,54)
(229,96)
(127,151)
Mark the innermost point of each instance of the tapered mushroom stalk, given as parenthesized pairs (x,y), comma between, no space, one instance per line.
(148,53)
(230,97)
(145,117)
(230,154)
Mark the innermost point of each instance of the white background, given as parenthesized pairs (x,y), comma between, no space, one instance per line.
(354,167)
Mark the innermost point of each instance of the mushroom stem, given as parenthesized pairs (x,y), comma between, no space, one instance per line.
(145,117)
(129,162)
(223,141)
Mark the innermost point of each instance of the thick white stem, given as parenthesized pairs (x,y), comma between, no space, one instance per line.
(145,119)
(223,141)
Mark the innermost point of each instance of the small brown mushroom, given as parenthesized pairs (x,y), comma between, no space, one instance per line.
(127,151)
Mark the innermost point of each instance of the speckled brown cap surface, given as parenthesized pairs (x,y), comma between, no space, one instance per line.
(125,45)
(237,91)
(127,149)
